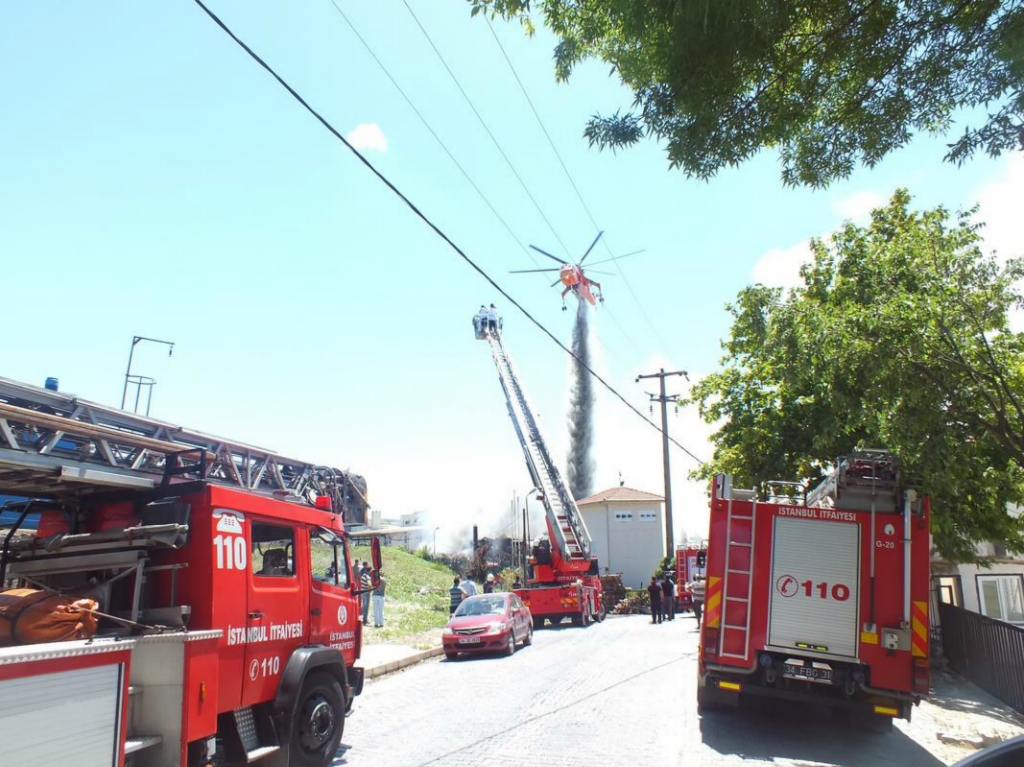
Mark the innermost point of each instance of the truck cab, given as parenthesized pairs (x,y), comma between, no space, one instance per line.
(211,621)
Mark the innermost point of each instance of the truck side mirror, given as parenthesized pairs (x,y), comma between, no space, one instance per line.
(375,553)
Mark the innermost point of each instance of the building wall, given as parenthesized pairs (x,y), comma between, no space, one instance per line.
(628,538)
(996,591)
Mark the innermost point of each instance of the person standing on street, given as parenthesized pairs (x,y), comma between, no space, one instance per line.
(697,591)
(366,586)
(456,595)
(489,584)
(468,586)
(654,590)
(668,598)
(378,600)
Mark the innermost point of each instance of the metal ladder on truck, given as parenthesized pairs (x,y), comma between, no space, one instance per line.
(564,519)
(738,586)
(46,434)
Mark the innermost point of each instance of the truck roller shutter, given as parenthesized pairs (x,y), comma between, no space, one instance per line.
(815,585)
(65,718)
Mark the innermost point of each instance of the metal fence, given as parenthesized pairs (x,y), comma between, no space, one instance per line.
(988,652)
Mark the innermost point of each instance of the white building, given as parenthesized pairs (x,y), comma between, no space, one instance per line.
(628,531)
(996,591)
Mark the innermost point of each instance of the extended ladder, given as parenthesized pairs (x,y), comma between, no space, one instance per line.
(52,443)
(564,519)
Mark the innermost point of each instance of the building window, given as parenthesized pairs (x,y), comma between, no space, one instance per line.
(648,516)
(623,516)
(1002,597)
(947,589)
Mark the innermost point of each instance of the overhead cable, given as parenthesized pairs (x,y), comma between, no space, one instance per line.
(422,216)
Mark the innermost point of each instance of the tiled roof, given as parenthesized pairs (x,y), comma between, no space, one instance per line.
(620,494)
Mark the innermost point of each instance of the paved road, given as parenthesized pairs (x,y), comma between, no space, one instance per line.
(617,693)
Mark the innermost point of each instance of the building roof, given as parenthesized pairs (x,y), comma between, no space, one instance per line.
(618,495)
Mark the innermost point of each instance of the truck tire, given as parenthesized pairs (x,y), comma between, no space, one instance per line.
(538,623)
(870,722)
(319,721)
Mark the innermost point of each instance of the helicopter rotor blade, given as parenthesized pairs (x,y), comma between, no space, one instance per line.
(531,271)
(590,248)
(556,282)
(544,252)
(624,255)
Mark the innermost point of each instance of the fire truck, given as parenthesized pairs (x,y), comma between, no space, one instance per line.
(216,577)
(690,562)
(822,596)
(564,579)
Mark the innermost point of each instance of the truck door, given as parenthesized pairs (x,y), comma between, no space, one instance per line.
(278,606)
(814,588)
(334,612)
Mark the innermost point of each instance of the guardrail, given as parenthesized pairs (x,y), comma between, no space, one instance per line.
(988,652)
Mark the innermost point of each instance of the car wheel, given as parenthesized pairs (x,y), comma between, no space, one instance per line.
(510,648)
(529,637)
(451,655)
(319,721)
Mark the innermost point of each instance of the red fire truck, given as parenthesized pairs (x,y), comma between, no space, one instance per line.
(565,580)
(819,597)
(227,607)
(690,562)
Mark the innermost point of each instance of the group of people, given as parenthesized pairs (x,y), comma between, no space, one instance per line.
(367,575)
(486,320)
(663,592)
(467,588)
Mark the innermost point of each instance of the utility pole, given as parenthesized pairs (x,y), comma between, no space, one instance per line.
(664,399)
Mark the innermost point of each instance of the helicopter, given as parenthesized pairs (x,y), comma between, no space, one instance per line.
(573,277)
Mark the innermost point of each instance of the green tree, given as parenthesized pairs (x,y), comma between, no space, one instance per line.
(898,337)
(829,83)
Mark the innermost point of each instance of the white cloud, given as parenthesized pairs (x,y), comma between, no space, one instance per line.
(368,136)
(857,207)
(780,267)
(1002,203)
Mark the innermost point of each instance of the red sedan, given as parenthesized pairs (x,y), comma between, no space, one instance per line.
(488,623)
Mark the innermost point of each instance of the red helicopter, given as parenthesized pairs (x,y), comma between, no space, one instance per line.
(572,276)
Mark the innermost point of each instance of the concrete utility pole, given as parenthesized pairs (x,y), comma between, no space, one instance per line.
(661,375)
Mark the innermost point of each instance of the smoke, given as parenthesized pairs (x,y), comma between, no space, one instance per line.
(581,411)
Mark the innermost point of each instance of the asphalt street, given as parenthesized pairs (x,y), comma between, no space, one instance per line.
(616,693)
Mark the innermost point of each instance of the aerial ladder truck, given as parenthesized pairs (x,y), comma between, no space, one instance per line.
(178,599)
(563,580)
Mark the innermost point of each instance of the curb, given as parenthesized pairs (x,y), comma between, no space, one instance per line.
(398,665)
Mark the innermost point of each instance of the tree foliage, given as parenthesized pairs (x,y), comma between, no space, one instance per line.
(897,338)
(829,83)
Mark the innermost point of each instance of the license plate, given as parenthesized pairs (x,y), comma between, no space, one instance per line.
(469,640)
(810,673)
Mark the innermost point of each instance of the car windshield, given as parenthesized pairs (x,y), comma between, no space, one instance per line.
(481,606)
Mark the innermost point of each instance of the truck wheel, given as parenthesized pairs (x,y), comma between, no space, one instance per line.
(319,721)
(871,722)
(577,619)
(538,623)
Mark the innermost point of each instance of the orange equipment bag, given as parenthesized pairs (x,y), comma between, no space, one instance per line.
(28,616)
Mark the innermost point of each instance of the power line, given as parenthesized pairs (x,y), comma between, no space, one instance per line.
(572,182)
(423,217)
(497,145)
(433,133)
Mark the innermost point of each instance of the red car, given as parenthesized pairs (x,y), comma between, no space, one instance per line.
(488,623)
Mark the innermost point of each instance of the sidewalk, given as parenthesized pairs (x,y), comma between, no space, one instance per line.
(380,659)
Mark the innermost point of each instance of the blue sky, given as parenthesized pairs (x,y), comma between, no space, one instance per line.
(155,181)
